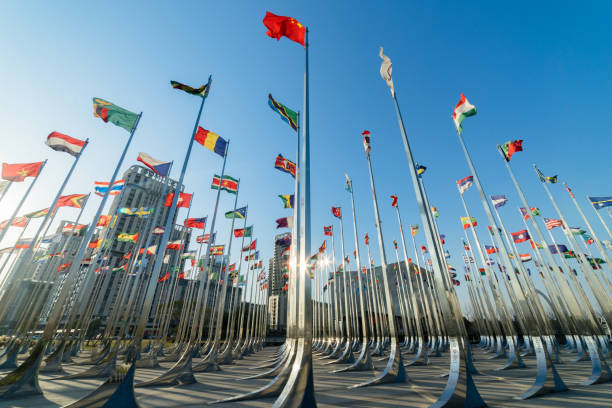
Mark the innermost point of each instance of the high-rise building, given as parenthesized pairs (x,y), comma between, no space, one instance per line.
(277,280)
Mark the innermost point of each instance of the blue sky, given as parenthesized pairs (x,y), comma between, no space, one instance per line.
(538,72)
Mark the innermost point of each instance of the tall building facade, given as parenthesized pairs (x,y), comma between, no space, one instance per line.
(277,279)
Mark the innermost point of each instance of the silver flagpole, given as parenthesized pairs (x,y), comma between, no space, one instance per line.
(5,185)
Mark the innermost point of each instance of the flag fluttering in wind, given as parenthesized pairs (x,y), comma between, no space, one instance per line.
(239,213)
(349,184)
(203,239)
(337,212)
(328,230)
(73,200)
(386,68)
(557,249)
(468,222)
(251,247)
(114,114)
(211,141)
(287,200)
(520,236)
(228,184)
(551,223)
(64,143)
(201,91)
(183,201)
(198,223)
(414,229)
(158,166)
(420,169)
(465,183)
(17,222)
(243,232)
(366,141)
(285,113)
(463,109)
(545,179)
(284,165)
(18,172)
(139,212)
(511,147)
(499,200)
(158,231)
(394,201)
(176,245)
(600,202)
(285,222)
(490,249)
(535,211)
(100,187)
(123,237)
(37,214)
(280,26)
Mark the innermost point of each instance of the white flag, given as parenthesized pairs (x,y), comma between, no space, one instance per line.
(385,70)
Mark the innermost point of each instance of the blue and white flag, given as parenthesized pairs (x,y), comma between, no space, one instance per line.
(499,200)
(157,166)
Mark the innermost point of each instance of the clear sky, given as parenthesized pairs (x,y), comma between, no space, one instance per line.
(535,71)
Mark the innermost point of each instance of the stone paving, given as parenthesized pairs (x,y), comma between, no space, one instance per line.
(423,386)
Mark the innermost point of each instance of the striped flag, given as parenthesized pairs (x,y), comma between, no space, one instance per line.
(64,143)
(463,109)
(101,187)
(465,183)
(552,223)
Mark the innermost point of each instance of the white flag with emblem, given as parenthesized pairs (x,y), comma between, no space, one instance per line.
(385,70)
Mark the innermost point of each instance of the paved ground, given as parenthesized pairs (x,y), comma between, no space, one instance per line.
(422,388)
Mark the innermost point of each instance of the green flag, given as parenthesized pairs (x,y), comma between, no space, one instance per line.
(286,114)
(109,112)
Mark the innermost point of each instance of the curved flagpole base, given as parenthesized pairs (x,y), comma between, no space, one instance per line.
(179,373)
(9,359)
(225,357)
(514,357)
(279,361)
(460,390)
(268,374)
(547,379)
(148,360)
(600,372)
(394,372)
(470,359)
(299,389)
(117,391)
(53,363)
(581,355)
(106,369)
(364,362)
(272,389)
(209,363)
(67,357)
(23,381)
(347,356)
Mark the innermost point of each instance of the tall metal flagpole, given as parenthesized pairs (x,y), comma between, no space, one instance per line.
(299,390)
(25,196)
(28,254)
(4,185)
(460,388)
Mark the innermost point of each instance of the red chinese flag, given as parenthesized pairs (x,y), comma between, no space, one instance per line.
(394,201)
(184,200)
(337,212)
(279,26)
(19,171)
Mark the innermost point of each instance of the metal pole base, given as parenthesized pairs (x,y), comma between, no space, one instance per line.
(148,360)
(106,368)
(347,356)
(460,390)
(299,390)
(600,371)
(96,359)
(53,363)
(23,381)
(9,359)
(225,357)
(268,374)
(209,363)
(180,373)
(547,379)
(394,372)
(364,361)
(117,391)
(420,359)
(514,358)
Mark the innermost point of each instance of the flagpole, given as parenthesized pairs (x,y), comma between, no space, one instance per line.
(10,183)
(602,220)
(25,196)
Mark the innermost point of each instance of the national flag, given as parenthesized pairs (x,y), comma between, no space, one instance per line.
(588,238)
(20,222)
(285,222)
(544,179)
(490,249)
(123,237)
(284,240)
(576,231)
(393,201)
(164,278)
(569,254)
(63,266)
(104,221)
(158,230)
(217,250)
(535,211)
(176,245)
(552,223)
(96,243)
(557,249)
(366,141)
(287,200)
(286,114)
(328,231)
(188,255)
(280,26)
(64,143)
(198,223)
(239,213)
(101,187)
(150,250)
(37,214)
(284,165)
(201,91)
(386,68)
(73,200)
(468,222)
(520,236)
(18,172)
(184,200)
(250,247)
(68,228)
(499,200)
(423,249)
(243,232)
(158,166)
(525,257)
(337,212)
(468,259)
(435,212)
(511,147)
(569,190)
(535,245)
(463,109)
(367,239)
(114,114)
(414,229)
(203,239)
(140,212)
(598,202)
(228,184)
(443,239)
(211,141)
(349,184)
(465,183)
(420,169)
